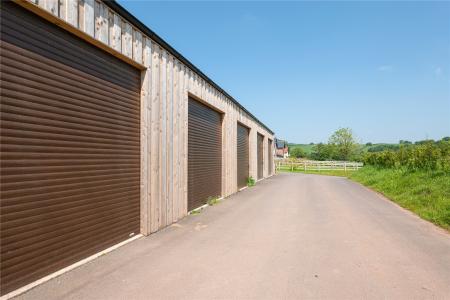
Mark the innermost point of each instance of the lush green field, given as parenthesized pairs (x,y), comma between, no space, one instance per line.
(426,193)
(307,148)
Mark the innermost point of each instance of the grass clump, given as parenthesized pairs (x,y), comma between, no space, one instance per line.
(424,192)
(250,181)
(212,201)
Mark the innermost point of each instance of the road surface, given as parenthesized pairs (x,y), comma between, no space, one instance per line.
(292,236)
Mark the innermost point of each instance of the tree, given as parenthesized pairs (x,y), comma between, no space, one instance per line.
(322,152)
(422,142)
(343,143)
(297,152)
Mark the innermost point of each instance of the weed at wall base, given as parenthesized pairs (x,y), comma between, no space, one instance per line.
(250,181)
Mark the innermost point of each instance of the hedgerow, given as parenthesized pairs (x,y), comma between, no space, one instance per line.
(426,156)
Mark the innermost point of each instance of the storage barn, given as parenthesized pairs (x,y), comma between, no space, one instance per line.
(107,133)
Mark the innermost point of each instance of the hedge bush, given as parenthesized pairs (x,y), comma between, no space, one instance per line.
(427,156)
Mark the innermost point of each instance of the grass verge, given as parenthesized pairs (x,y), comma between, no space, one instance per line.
(426,193)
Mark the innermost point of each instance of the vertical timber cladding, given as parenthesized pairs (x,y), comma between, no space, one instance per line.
(243,162)
(270,156)
(260,155)
(204,154)
(70,150)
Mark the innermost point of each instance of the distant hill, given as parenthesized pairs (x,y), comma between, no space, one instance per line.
(308,148)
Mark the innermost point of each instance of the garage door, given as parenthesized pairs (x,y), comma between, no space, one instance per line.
(69,151)
(242,155)
(260,154)
(270,155)
(204,154)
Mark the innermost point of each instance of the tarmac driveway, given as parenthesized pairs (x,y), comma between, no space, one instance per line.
(292,236)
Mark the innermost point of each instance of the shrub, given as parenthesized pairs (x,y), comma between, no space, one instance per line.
(297,152)
(421,156)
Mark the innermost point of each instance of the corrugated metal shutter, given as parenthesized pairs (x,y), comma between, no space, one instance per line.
(70,148)
(270,156)
(204,154)
(242,155)
(260,155)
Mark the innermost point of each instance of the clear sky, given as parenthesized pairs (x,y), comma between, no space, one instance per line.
(307,68)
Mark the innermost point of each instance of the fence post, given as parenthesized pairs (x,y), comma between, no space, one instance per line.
(292,166)
(345,167)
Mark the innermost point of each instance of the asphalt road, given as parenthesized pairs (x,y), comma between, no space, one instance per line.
(292,236)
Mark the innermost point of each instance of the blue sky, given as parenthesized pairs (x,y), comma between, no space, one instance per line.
(307,68)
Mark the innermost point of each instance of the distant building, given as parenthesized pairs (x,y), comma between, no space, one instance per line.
(281,149)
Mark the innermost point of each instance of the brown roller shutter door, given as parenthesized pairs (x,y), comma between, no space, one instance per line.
(70,148)
(204,154)
(270,156)
(242,155)
(260,155)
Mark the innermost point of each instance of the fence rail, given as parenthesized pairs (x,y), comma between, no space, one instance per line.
(312,165)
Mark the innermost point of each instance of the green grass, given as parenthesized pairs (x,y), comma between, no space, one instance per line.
(251,181)
(213,201)
(426,193)
(307,148)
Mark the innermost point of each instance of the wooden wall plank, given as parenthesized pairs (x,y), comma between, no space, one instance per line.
(127,39)
(169,138)
(154,140)
(115,31)
(87,16)
(147,52)
(68,11)
(50,5)
(101,22)
(137,46)
(163,139)
(175,132)
(145,172)
(185,138)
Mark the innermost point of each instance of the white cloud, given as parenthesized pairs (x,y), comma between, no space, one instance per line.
(385,68)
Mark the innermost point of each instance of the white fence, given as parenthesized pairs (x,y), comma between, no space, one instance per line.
(313,165)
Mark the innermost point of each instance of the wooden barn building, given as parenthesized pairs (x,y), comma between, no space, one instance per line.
(107,134)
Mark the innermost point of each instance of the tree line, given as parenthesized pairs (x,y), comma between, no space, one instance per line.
(342,145)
